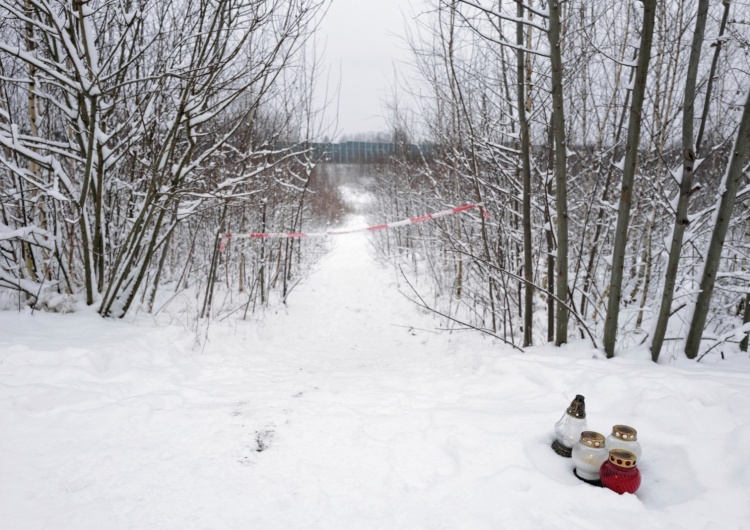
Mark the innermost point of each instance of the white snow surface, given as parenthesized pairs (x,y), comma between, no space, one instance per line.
(346,409)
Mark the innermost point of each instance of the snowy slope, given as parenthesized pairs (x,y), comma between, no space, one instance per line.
(347,410)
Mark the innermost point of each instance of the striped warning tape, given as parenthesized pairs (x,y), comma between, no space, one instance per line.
(226,237)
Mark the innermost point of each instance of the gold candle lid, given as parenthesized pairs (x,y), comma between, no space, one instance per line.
(625,432)
(592,439)
(577,407)
(622,458)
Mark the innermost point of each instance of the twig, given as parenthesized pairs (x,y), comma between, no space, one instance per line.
(424,305)
(418,329)
(519,278)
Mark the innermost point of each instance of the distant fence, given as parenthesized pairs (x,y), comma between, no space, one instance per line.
(361,152)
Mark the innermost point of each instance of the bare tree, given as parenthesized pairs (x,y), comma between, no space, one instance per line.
(138,100)
(561,184)
(626,187)
(685,181)
(723,215)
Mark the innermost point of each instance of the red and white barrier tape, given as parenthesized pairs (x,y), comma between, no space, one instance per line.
(226,237)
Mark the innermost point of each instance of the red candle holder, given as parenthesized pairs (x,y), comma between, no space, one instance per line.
(619,473)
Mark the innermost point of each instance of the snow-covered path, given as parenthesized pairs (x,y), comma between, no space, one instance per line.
(367,424)
(346,410)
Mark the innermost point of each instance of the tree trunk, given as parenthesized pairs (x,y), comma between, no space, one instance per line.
(686,182)
(711,75)
(528,272)
(646,265)
(746,314)
(745,320)
(626,192)
(549,236)
(262,259)
(730,185)
(561,190)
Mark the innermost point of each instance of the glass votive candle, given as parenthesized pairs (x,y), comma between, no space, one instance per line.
(624,437)
(589,453)
(619,472)
(568,429)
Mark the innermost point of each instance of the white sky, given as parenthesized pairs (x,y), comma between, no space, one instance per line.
(363,42)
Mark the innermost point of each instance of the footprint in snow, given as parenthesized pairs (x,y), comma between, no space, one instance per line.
(263,439)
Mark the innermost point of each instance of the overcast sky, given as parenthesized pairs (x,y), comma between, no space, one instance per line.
(363,44)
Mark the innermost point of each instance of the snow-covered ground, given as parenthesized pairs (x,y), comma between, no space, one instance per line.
(346,409)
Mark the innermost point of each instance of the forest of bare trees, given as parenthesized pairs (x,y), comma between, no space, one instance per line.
(607,140)
(132,132)
(610,143)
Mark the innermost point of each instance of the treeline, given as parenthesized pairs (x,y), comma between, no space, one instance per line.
(610,142)
(132,132)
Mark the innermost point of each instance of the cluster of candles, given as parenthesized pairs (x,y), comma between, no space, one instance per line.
(609,462)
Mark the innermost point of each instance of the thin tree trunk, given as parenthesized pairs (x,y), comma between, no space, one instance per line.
(33,118)
(730,185)
(86,238)
(645,271)
(681,220)
(626,192)
(561,190)
(549,236)
(745,320)
(588,279)
(528,272)
(711,75)
(746,315)
(98,193)
(160,267)
(262,268)
(211,280)
(242,273)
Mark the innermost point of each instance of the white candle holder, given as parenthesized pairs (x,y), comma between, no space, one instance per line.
(624,437)
(568,429)
(589,453)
